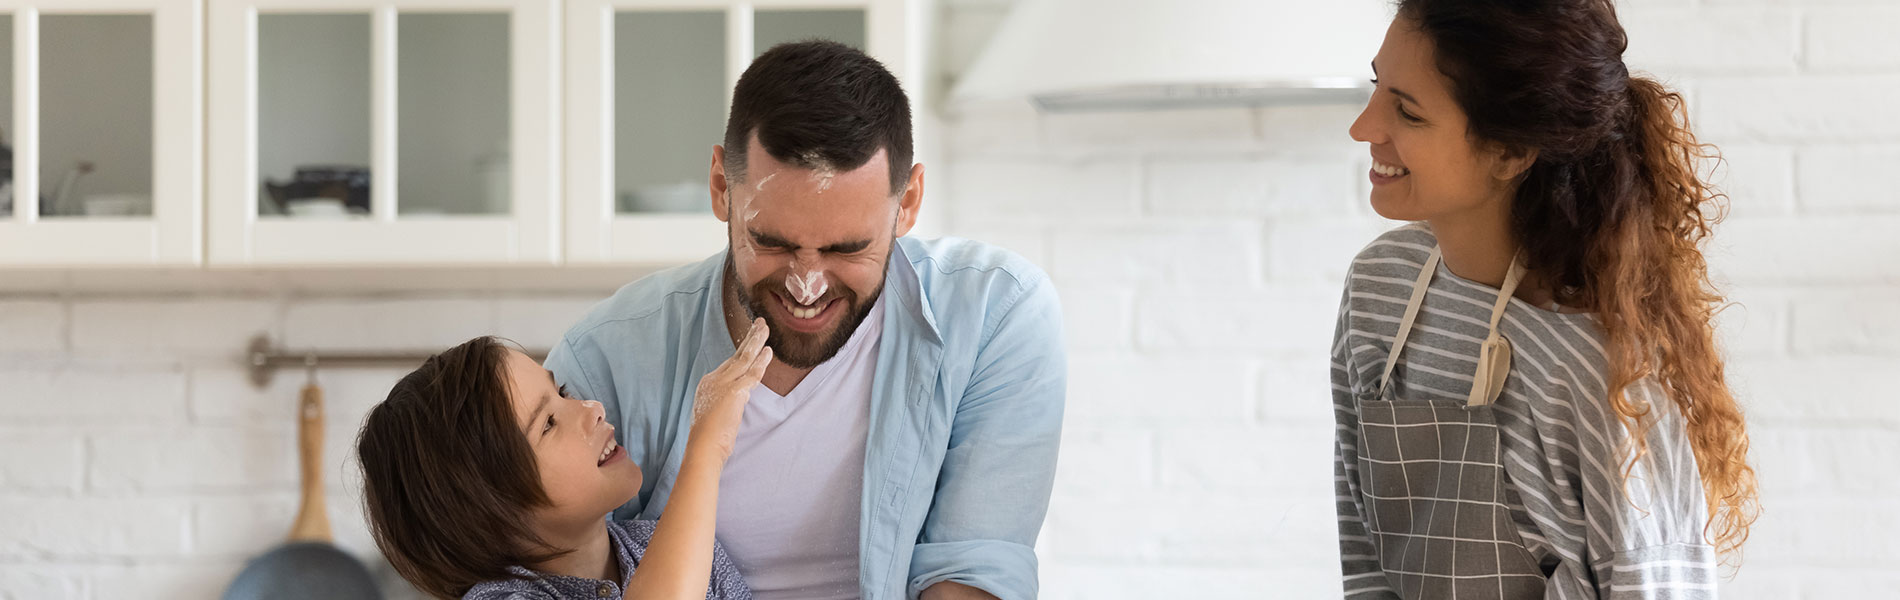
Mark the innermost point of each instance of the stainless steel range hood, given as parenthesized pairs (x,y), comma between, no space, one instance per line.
(1083,55)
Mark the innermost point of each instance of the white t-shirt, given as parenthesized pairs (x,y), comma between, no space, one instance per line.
(790,497)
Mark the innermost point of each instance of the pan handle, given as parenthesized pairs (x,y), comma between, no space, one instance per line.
(313,520)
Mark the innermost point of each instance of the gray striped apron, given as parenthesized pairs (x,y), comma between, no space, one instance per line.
(1431,481)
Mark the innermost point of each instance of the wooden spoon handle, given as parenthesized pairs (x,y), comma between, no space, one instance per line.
(313,521)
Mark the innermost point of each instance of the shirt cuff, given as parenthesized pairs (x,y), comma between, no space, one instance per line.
(1006,570)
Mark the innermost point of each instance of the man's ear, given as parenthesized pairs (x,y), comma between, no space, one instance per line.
(716,183)
(1511,163)
(911,201)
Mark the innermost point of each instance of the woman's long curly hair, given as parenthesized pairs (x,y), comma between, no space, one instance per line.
(1611,214)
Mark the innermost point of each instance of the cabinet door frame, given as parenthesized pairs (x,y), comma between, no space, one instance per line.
(528,235)
(596,232)
(171,236)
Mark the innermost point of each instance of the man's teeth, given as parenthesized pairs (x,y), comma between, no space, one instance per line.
(803,312)
(1389,170)
(607,451)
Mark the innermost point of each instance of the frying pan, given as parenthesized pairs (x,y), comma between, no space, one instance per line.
(308,566)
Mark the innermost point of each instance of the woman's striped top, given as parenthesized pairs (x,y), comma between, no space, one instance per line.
(1588,532)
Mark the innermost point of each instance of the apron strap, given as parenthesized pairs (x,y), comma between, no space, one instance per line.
(1494,355)
(1411,313)
(1511,279)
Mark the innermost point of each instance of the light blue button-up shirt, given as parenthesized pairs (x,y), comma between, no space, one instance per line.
(966,408)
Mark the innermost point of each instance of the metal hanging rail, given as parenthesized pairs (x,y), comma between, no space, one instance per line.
(264,360)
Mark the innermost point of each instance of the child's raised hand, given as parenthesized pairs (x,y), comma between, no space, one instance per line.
(678,560)
(720,401)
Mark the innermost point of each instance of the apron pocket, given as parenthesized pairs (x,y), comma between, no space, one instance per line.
(1434,498)
(1417,454)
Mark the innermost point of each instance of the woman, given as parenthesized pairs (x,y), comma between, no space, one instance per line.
(485,481)
(1529,396)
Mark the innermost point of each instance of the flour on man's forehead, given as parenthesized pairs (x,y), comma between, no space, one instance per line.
(822,171)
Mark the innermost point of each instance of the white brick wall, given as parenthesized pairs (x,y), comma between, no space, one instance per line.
(1198,255)
(138,461)
(1196,462)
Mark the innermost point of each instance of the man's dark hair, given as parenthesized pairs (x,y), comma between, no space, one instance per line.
(819,104)
(449,480)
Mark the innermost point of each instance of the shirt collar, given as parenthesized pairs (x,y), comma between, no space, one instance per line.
(902,281)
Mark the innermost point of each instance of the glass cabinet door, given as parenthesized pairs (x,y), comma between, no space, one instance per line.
(384,132)
(670,90)
(669,108)
(452,114)
(95,120)
(9,136)
(771,27)
(313,115)
(100,150)
(649,83)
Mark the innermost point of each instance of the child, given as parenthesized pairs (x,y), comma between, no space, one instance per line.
(482,479)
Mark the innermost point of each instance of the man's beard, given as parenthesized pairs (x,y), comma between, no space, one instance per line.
(797,349)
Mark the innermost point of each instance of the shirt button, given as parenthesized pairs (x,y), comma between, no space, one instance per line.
(606,590)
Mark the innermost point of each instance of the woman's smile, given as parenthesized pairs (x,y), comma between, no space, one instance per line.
(1383,173)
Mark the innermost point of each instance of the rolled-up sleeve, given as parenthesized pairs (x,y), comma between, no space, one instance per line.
(993,489)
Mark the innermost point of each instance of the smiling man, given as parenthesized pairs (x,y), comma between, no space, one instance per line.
(903,441)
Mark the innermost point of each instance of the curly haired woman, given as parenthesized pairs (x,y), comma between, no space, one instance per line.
(1529,396)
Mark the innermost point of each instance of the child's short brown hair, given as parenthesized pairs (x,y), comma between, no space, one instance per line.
(449,480)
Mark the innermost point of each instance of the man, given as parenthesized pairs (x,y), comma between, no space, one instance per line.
(903,440)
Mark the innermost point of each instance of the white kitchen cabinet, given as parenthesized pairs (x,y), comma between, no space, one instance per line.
(648,85)
(103,119)
(384,132)
(390,133)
